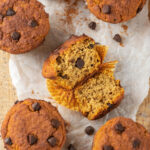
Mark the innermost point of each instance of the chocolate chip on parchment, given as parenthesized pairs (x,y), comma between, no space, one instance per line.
(92,25)
(15,36)
(108,147)
(106,9)
(117,38)
(119,128)
(36,106)
(79,63)
(136,143)
(10,12)
(52,141)
(33,23)
(89,130)
(55,123)
(32,139)
(8,141)
(71,147)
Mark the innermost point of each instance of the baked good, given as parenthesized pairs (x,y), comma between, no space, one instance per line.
(23,25)
(33,125)
(115,11)
(72,62)
(121,134)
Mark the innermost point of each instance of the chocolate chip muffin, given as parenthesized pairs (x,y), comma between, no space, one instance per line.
(115,11)
(23,25)
(121,134)
(33,125)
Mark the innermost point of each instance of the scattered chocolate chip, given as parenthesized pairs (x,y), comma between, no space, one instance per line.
(79,63)
(106,9)
(1,35)
(91,46)
(89,130)
(119,128)
(110,106)
(10,12)
(55,123)
(108,147)
(71,147)
(52,141)
(33,23)
(15,36)
(16,102)
(36,106)
(117,38)
(136,143)
(58,59)
(32,139)
(92,25)
(8,141)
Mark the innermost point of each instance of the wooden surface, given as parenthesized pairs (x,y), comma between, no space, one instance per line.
(8,96)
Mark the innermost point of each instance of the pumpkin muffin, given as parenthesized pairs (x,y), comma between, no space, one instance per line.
(23,25)
(33,124)
(75,60)
(121,134)
(115,11)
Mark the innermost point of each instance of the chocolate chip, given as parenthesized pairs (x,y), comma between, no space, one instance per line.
(108,147)
(71,147)
(79,63)
(1,35)
(119,128)
(136,143)
(92,25)
(33,23)
(10,12)
(91,46)
(15,36)
(117,38)
(36,106)
(55,123)
(52,141)
(58,59)
(16,102)
(8,141)
(110,106)
(89,130)
(32,139)
(106,9)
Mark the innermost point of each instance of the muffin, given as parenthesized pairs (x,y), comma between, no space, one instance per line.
(115,11)
(93,92)
(121,134)
(23,25)
(33,124)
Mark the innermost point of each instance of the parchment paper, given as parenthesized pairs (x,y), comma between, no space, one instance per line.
(133,70)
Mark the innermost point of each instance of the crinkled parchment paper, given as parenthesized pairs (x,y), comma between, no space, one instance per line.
(133,69)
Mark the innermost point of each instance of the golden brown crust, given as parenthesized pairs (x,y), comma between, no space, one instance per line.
(121,134)
(28,19)
(118,11)
(22,121)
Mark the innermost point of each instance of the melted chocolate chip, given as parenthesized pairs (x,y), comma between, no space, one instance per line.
(10,12)
(55,123)
(92,25)
(8,141)
(136,143)
(71,147)
(108,147)
(58,59)
(33,23)
(15,36)
(52,141)
(79,63)
(36,106)
(119,128)
(106,9)
(89,130)
(32,139)
(117,38)
(91,46)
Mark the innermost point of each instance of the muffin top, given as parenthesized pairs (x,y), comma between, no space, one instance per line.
(33,124)
(23,25)
(121,134)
